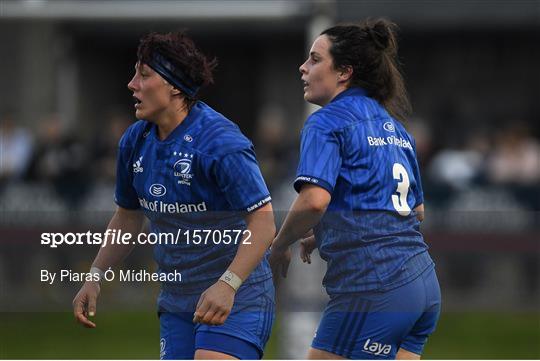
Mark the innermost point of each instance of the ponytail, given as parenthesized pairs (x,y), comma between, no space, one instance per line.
(370,48)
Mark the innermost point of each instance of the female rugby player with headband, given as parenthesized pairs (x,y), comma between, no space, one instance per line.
(186,167)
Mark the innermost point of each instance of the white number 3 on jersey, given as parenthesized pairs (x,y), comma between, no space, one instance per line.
(400,201)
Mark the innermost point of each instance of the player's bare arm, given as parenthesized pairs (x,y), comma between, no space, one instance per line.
(305,213)
(84,303)
(216,302)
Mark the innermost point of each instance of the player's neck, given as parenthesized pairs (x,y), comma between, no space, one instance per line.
(171,119)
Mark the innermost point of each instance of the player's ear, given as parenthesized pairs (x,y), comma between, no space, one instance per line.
(345,73)
(175,91)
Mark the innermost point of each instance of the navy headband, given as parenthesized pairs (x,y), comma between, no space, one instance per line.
(172,74)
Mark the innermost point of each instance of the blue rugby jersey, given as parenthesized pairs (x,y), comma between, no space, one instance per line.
(369,235)
(203,176)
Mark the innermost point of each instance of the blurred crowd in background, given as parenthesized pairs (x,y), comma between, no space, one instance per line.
(506,159)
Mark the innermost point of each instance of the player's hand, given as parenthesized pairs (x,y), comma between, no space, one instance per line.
(84,303)
(307,245)
(215,304)
(279,261)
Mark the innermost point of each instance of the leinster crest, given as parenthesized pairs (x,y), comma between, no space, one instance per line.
(182,168)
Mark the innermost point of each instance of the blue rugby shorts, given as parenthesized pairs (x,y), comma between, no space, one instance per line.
(375,325)
(243,335)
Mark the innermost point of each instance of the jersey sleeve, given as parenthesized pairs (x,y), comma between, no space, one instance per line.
(240,179)
(320,158)
(125,195)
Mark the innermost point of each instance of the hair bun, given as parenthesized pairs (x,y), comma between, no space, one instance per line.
(381,33)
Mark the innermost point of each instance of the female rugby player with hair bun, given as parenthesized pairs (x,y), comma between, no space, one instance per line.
(359,189)
(192,172)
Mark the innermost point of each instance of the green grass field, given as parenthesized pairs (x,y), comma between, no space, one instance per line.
(135,335)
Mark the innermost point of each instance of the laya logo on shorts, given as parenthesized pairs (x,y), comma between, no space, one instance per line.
(182,168)
(376,348)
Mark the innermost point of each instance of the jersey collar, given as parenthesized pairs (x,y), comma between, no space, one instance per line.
(354,91)
(180,128)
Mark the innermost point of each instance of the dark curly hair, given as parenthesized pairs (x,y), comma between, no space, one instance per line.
(370,48)
(181,51)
